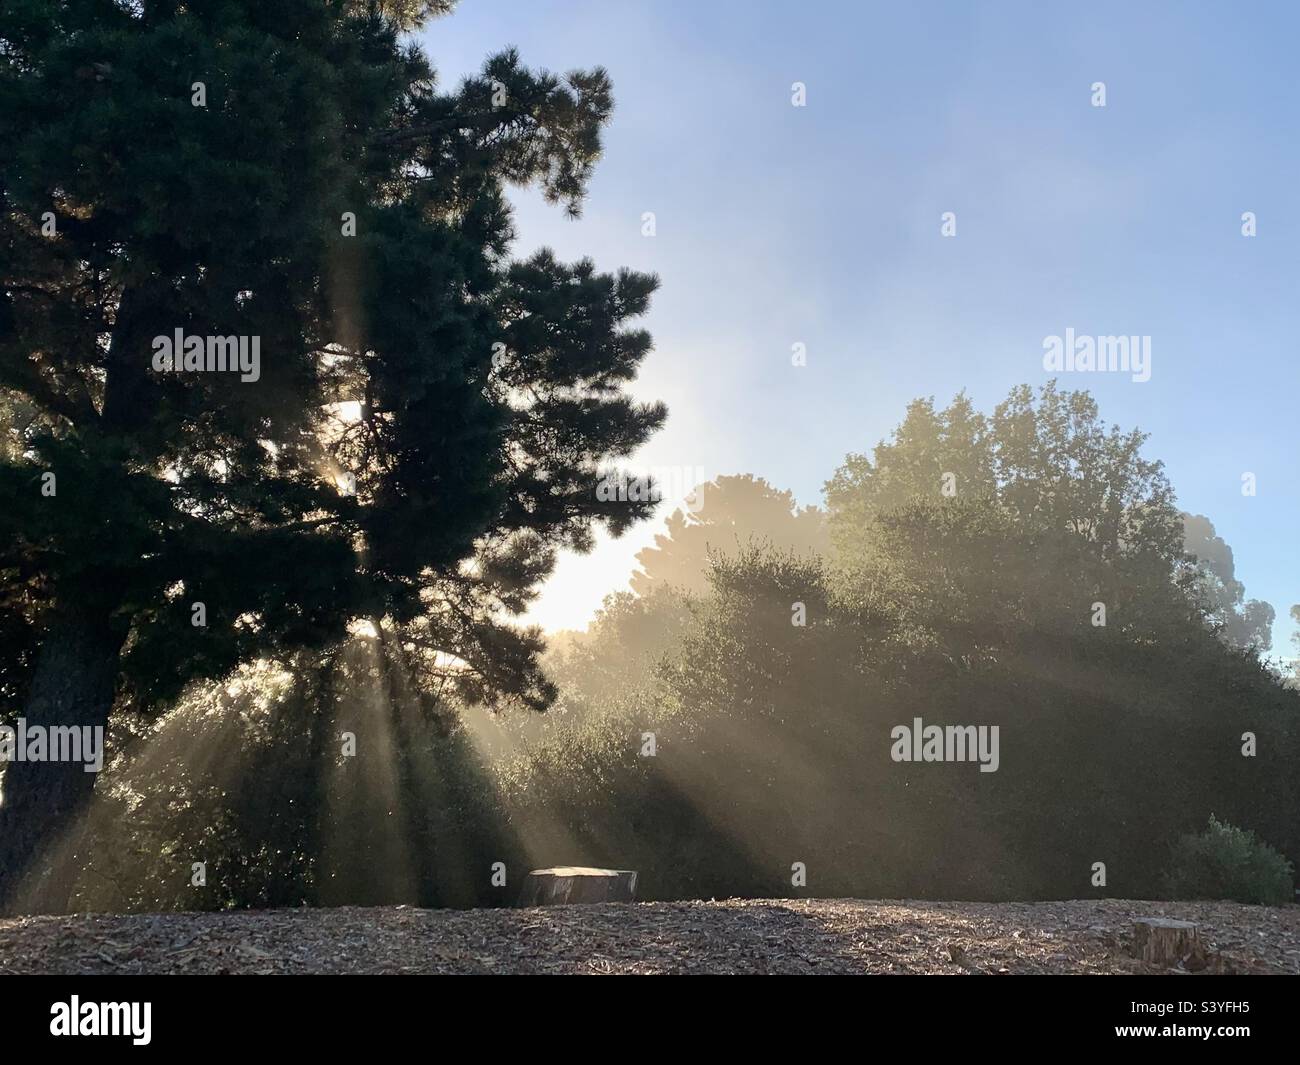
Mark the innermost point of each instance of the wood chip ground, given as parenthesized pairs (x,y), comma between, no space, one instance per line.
(734,936)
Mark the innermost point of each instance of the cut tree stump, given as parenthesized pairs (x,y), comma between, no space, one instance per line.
(569,884)
(1162,941)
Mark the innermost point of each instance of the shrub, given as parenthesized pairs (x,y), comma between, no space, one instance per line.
(1226,862)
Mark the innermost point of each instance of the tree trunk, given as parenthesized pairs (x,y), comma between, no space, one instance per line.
(1161,941)
(73,683)
(567,884)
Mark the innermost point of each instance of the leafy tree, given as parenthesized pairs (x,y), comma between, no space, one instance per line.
(1047,461)
(931,452)
(1242,622)
(1119,732)
(619,651)
(976,608)
(289,172)
(730,513)
(1114,740)
(1054,512)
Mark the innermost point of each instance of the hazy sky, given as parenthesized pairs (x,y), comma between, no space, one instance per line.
(821,225)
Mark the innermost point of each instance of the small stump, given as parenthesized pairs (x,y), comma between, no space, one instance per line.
(569,884)
(1161,941)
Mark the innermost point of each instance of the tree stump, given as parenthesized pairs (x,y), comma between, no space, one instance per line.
(1161,941)
(570,884)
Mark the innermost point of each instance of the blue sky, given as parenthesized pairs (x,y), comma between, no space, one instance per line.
(821,225)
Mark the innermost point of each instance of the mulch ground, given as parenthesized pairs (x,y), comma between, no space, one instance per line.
(733,936)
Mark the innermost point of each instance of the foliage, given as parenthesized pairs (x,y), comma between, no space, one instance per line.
(226,219)
(729,514)
(1225,862)
(429,420)
(976,609)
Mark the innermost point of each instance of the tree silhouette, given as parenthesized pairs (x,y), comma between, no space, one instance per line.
(428,420)
(730,512)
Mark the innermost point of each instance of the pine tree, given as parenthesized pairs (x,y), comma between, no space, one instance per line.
(428,418)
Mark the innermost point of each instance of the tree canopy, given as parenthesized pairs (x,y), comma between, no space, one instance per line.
(429,417)
(730,513)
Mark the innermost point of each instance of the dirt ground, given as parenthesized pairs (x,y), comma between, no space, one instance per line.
(734,936)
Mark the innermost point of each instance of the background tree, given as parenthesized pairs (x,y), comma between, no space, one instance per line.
(1047,461)
(327,198)
(731,513)
(620,650)
(1119,733)
(1242,622)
